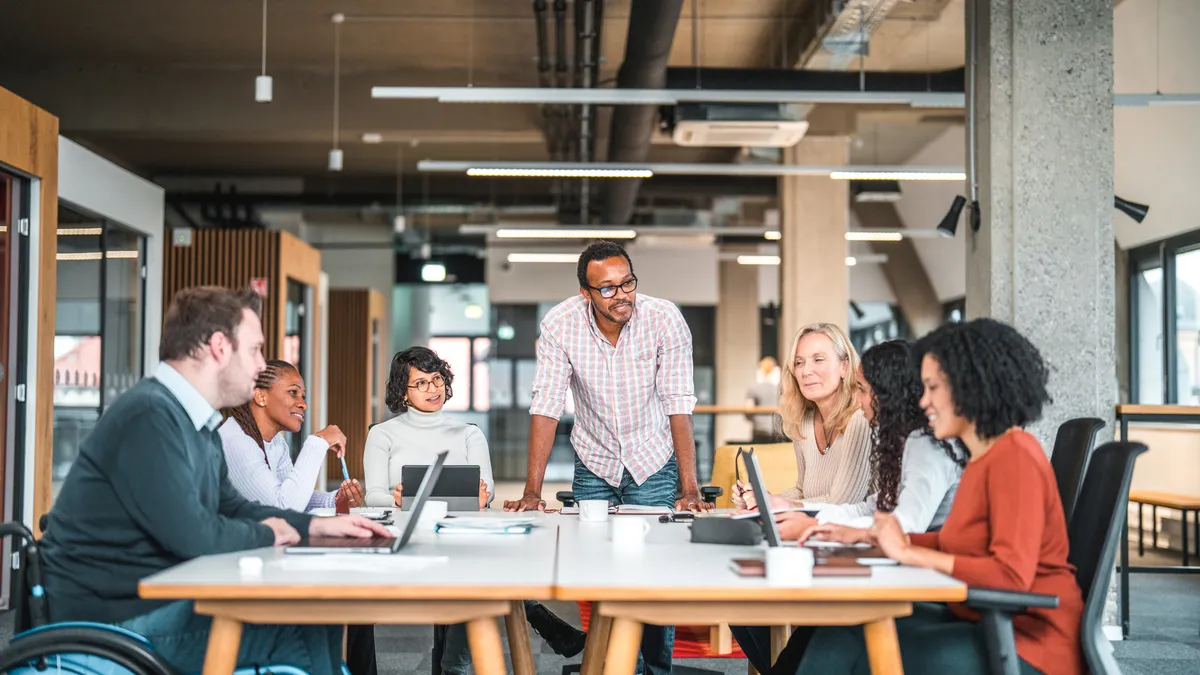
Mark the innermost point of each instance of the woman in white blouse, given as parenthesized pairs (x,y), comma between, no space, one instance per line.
(260,467)
(914,476)
(257,452)
(819,409)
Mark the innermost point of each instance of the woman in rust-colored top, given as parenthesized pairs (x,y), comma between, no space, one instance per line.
(1006,530)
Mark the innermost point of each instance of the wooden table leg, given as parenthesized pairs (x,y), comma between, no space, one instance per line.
(623,646)
(518,639)
(487,656)
(224,640)
(720,639)
(883,648)
(597,643)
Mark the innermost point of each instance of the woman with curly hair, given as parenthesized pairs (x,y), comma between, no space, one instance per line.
(820,414)
(418,386)
(913,476)
(983,382)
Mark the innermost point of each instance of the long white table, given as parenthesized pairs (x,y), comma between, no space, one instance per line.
(480,579)
(670,581)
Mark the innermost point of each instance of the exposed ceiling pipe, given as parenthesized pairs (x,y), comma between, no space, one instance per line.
(944,81)
(588,19)
(647,49)
(851,32)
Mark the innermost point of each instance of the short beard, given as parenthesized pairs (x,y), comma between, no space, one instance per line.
(612,318)
(227,390)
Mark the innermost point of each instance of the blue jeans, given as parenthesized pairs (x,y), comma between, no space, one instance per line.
(660,489)
(932,640)
(180,636)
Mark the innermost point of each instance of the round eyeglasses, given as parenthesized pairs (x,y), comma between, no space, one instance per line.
(428,385)
(611,291)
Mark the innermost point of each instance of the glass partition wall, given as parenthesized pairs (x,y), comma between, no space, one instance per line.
(99,330)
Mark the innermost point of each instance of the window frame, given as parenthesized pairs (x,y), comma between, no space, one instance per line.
(1162,253)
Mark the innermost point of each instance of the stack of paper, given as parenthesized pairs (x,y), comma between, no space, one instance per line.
(485,526)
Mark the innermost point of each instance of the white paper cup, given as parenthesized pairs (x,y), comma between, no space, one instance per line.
(628,532)
(593,510)
(789,566)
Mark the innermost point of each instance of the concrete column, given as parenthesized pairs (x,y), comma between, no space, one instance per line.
(814,282)
(737,345)
(1043,258)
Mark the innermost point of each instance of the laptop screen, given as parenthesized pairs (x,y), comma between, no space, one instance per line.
(765,517)
(426,489)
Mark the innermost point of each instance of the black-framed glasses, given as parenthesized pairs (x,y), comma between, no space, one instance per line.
(428,385)
(611,291)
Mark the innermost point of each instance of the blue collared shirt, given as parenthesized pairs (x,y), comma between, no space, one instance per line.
(194,404)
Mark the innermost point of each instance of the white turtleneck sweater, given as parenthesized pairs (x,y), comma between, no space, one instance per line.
(415,438)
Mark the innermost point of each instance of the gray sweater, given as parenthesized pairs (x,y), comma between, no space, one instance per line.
(414,438)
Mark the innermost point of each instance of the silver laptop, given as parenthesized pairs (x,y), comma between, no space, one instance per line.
(379,545)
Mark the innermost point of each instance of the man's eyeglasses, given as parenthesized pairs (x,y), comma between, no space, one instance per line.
(428,385)
(611,291)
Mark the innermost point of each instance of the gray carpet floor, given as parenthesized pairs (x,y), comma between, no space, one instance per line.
(1164,634)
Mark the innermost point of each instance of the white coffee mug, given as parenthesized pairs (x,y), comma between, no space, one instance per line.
(593,510)
(628,531)
(432,513)
(789,566)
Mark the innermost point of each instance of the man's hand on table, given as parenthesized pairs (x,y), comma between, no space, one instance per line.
(346,526)
(691,501)
(530,502)
(285,534)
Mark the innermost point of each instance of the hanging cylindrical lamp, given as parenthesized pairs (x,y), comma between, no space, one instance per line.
(263,85)
(335,154)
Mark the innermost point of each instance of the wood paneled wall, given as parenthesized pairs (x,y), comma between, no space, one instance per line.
(29,144)
(232,258)
(353,377)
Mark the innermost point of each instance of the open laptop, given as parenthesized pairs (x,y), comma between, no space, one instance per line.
(458,486)
(386,545)
(766,520)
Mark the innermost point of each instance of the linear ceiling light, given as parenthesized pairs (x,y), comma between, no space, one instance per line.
(80,231)
(874,236)
(897,175)
(614,96)
(563,233)
(851,261)
(1142,100)
(647,169)
(95,255)
(543,257)
(772,235)
(558,173)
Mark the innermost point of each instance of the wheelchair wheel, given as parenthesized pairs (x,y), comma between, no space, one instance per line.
(82,650)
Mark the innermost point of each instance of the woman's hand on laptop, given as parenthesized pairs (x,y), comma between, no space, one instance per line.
(285,534)
(793,524)
(350,492)
(837,533)
(347,526)
(335,438)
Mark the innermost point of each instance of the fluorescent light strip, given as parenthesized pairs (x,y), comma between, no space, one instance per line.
(615,96)
(1143,100)
(564,233)
(851,261)
(543,257)
(647,169)
(874,236)
(80,231)
(772,235)
(95,255)
(898,175)
(558,173)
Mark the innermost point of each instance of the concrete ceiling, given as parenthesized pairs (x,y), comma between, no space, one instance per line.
(166,88)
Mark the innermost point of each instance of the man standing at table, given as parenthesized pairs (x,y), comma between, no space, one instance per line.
(628,362)
(150,490)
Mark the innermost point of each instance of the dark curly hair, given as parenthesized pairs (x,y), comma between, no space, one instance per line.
(997,377)
(601,250)
(265,380)
(423,359)
(896,403)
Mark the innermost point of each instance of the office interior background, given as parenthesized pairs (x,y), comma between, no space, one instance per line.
(257,144)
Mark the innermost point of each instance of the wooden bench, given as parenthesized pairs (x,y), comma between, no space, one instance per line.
(1168,500)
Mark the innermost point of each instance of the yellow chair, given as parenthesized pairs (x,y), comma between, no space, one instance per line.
(776,460)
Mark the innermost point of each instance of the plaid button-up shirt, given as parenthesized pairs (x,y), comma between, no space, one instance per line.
(624,394)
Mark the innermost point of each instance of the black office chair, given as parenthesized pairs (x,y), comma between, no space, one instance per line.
(1073,448)
(1094,539)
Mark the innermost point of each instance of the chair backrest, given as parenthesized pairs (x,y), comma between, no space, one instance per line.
(777,461)
(28,600)
(1094,536)
(1072,449)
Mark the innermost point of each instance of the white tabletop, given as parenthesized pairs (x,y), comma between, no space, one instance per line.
(460,566)
(669,567)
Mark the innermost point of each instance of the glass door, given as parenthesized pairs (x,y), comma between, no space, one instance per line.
(14,290)
(296,346)
(98,334)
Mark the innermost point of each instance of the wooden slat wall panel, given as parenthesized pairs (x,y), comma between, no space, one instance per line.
(29,143)
(349,375)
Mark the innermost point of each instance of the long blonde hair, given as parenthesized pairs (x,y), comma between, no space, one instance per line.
(794,408)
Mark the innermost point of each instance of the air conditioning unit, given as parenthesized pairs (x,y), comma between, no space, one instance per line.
(732,125)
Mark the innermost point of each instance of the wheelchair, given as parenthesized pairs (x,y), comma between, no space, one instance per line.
(76,648)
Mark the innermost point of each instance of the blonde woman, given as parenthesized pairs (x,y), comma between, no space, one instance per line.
(820,413)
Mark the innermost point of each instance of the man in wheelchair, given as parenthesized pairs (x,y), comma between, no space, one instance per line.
(150,490)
